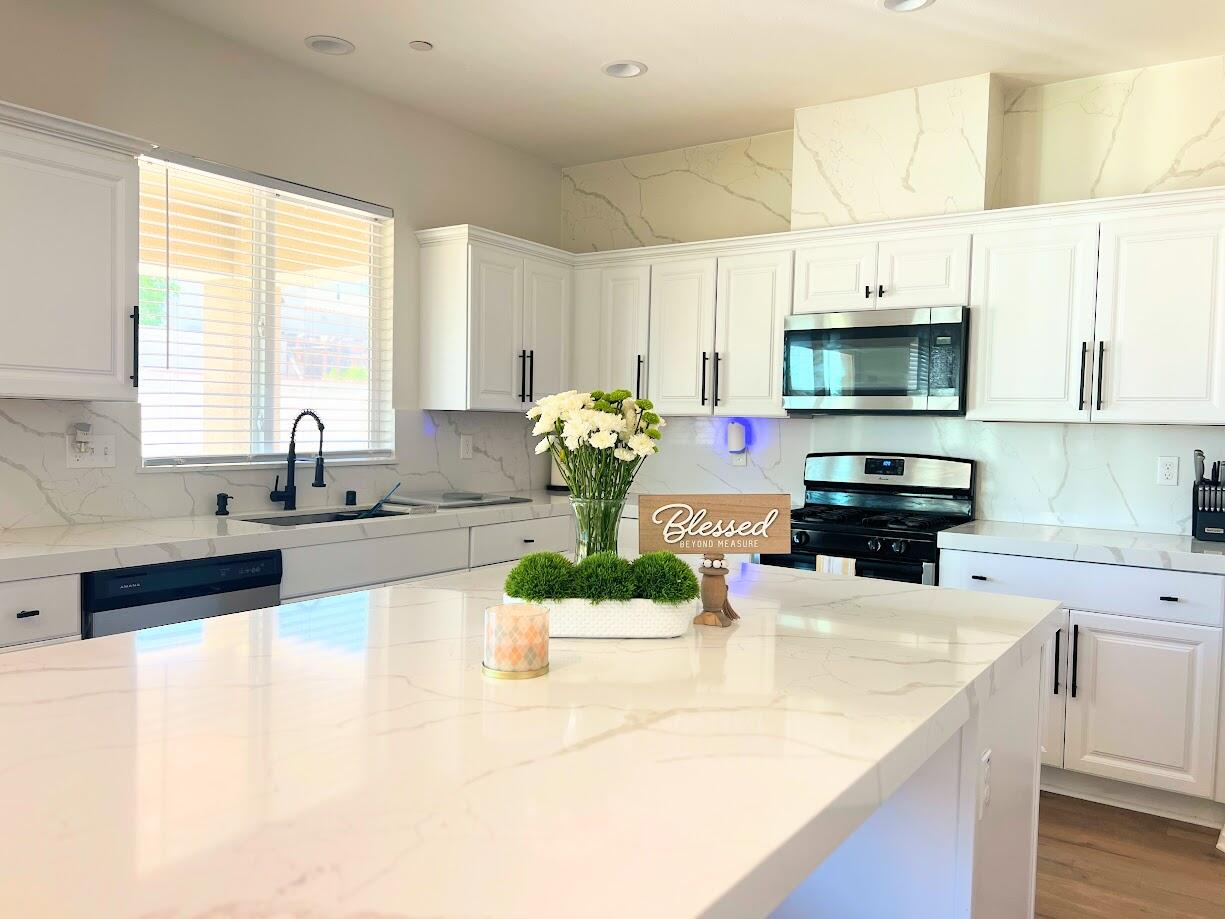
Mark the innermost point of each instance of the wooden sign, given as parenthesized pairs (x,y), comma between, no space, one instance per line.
(714,524)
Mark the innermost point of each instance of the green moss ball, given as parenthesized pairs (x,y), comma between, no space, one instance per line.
(604,576)
(541,576)
(664,578)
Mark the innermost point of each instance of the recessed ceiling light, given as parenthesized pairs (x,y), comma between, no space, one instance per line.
(623,70)
(905,6)
(329,44)
(421,45)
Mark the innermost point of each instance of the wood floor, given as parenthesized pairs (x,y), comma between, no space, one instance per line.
(1099,861)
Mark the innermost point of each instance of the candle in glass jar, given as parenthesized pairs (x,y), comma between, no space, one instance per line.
(516,641)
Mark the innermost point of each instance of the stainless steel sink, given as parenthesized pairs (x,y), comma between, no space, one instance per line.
(293,520)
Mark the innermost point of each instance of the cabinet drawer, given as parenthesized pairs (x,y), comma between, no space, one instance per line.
(504,542)
(312,570)
(39,609)
(1169,596)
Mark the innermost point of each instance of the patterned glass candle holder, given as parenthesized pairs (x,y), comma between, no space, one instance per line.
(516,641)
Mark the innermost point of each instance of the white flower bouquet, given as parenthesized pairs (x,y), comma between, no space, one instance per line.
(599,441)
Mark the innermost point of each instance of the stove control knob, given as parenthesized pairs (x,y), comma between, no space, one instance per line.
(799,538)
(874,544)
(897,547)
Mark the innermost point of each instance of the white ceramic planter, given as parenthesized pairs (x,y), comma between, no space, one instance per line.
(616,618)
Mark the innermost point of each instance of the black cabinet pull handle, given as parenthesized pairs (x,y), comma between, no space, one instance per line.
(529,540)
(1058,632)
(1084,354)
(523,376)
(867,291)
(880,291)
(1101,371)
(1170,599)
(27,613)
(1075,656)
(715,377)
(704,359)
(531,376)
(979,577)
(638,380)
(135,317)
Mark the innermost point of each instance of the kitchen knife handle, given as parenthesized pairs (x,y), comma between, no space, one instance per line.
(1084,354)
(1101,371)
(1075,655)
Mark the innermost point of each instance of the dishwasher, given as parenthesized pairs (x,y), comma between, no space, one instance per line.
(127,599)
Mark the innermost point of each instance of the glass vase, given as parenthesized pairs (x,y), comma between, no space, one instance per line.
(595,525)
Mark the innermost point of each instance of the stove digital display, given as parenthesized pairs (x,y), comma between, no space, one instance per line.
(879,465)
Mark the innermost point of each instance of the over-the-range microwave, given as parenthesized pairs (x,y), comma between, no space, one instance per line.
(877,361)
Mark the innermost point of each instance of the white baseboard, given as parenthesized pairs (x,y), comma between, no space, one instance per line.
(1200,811)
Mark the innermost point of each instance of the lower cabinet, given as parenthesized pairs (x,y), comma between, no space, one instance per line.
(312,570)
(39,611)
(505,542)
(1055,683)
(1142,701)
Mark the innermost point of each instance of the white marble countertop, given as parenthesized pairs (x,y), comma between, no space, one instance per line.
(1081,544)
(345,756)
(37,552)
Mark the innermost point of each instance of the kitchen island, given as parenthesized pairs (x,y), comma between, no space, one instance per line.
(345,756)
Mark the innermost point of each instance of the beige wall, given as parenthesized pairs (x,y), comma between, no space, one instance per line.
(131,68)
(734,188)
(1154,129)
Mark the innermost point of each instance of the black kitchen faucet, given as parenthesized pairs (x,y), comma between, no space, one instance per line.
(289,494)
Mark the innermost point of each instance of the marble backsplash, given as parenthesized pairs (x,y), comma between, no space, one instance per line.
(38,489)
(1101,476)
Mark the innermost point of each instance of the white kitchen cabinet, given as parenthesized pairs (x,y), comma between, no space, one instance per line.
(1142,701)
(504,542)
(753,298)
(896,272)
(682,338)
(546,327)
(1054,689)
(1161,319)
(312,570)
(495,320)
(39,610)
(624,331)
(1032,297)
(69,196)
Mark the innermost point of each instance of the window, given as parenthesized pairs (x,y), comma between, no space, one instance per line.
(257,303)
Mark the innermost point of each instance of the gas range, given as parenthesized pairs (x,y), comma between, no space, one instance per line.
(878,514)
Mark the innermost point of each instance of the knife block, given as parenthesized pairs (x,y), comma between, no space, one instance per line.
(1208,512)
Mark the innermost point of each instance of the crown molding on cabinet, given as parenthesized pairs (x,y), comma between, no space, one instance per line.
(29,119)
(474,234)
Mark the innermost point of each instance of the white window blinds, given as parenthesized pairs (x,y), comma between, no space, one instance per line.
(256,303)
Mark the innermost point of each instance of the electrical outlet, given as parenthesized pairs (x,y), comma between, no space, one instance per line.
(740,459)
(98,452)
(984,783)
(465,446)
(1167,470)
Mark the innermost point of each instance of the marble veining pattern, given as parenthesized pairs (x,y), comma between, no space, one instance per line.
(909,153)
(38,488)
(732,188)
(357,763)
(1154,129)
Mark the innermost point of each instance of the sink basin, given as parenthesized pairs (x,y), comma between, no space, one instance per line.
(293,520)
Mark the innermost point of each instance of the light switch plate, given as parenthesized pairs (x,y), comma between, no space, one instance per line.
(99,452)
(465,446)
(1167,470)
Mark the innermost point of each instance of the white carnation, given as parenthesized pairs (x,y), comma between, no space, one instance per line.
(641,444)
(625,455)
(542,447)
(602,440)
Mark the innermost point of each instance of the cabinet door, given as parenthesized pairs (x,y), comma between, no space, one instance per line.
(835,277)
(682,336)
(625,317)
(1161,320)
(68,242)
(495,309)
(1142,701)
(754,298)
(923,271)
(1054,686)
(546,327)
(1032,298)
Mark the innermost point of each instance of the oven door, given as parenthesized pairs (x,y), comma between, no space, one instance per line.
(875,361)
(908,572)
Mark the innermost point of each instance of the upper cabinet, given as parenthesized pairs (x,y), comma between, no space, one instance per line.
(495,320)
(625,318)
(753,297)
(69,196)
(892,273)
(1032,299)
(1161,320)
(682,335)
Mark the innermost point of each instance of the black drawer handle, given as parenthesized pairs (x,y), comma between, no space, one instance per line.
(979,577)
(28,613)
(529,540)
(1170,599)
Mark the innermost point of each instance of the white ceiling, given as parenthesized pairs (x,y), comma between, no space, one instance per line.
(527,72)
